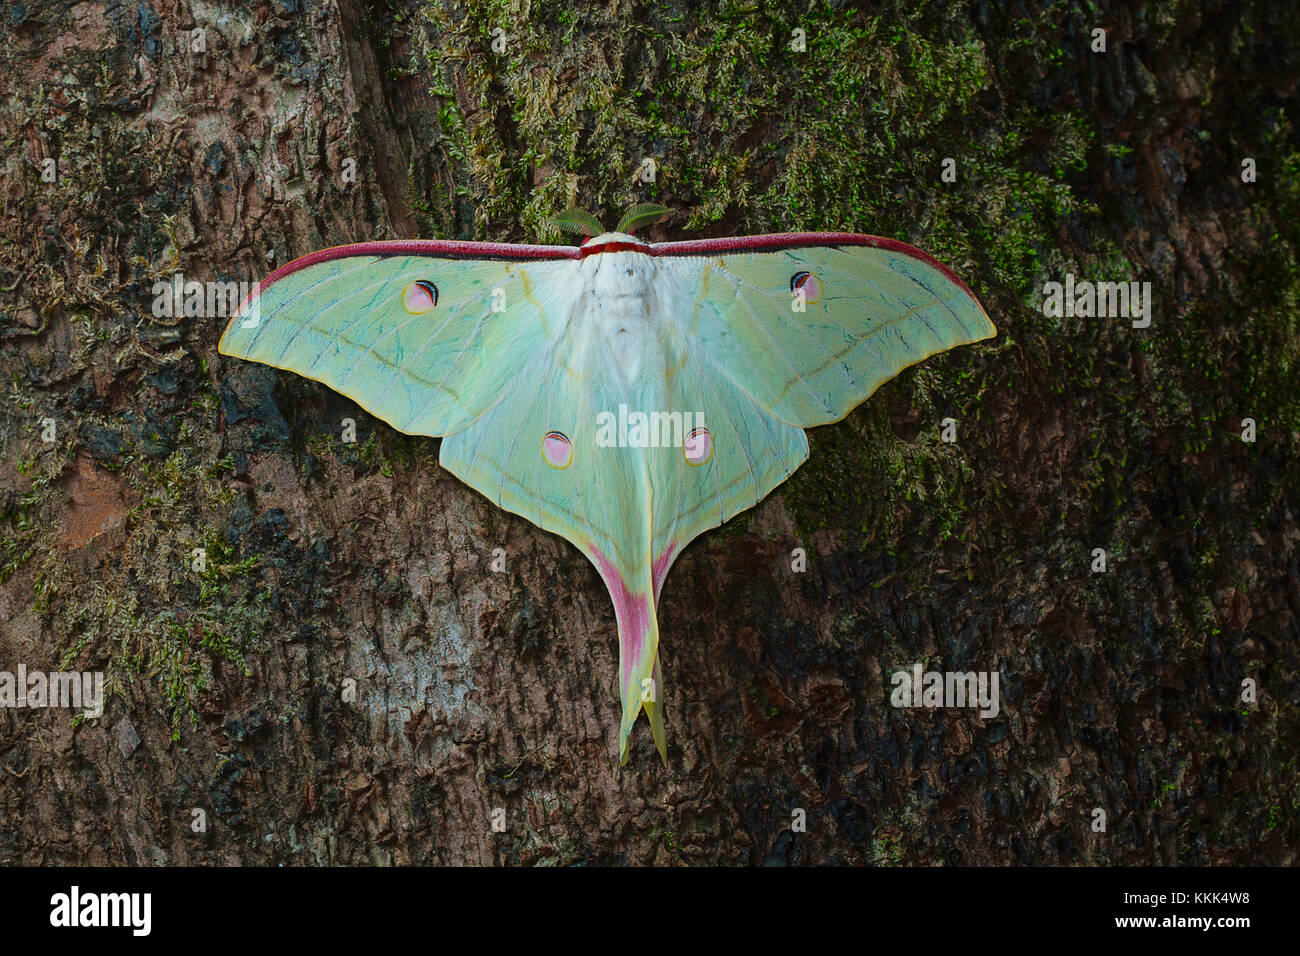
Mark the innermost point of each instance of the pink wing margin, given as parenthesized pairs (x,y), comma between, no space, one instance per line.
(775,242)
(433,248)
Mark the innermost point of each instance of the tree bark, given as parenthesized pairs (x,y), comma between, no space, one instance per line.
(348,681)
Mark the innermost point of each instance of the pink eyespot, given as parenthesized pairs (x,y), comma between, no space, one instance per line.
(807,284)
(557,450)
(698,447)
(419,297)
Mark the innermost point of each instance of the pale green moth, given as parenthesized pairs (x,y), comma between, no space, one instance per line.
(626,395)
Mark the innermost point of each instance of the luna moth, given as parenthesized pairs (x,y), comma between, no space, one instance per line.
(623,394)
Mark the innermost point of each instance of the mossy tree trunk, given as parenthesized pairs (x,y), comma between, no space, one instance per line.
(331,565)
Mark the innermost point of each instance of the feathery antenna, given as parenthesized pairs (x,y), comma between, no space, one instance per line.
(577,221)
(644,214)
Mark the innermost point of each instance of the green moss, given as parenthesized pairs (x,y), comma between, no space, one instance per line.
(887,851)
(854,134)
(157,615)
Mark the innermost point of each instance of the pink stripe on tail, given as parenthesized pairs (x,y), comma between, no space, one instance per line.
(632,611)
(639,674)
(661,565)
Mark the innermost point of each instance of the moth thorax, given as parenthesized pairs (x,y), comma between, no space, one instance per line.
(622,274)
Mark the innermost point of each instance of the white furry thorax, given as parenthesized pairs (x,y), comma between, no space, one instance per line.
(619,304)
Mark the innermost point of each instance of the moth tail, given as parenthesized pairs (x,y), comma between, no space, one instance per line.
(655,711)
(639,676)
(640,681)
(638,657)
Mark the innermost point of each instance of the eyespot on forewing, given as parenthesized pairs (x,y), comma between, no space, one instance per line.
(808,285)
(419,297)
